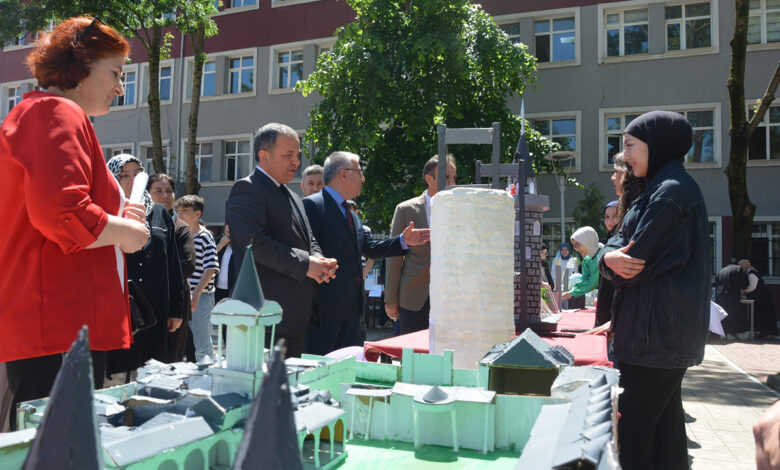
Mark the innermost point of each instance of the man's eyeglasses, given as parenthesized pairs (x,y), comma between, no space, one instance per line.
(86,30)
(354,169)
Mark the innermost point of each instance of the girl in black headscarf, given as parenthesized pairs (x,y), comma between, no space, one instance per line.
(659,263)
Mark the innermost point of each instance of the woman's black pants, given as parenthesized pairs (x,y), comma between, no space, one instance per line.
(31,379)
(651,429)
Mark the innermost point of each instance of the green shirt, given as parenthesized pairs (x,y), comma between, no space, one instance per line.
(590,276)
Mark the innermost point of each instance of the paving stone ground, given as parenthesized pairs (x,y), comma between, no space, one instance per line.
(722,402)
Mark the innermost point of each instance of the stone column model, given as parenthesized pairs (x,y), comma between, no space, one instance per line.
(535,206)
(471,290)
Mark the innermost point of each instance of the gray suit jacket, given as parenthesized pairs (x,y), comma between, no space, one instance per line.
(279,232)
(407,278)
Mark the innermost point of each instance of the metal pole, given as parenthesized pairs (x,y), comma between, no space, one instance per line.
(562,186)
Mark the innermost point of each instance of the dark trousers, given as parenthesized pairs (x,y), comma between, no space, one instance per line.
(31,379)
(651,429)
(336,333)
(293,343)
(414,320)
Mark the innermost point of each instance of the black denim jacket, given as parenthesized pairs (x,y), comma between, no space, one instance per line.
(661,316)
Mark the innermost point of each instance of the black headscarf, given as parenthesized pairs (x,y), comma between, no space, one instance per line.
(668,137)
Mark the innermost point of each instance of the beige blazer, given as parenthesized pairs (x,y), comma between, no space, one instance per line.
(407,278)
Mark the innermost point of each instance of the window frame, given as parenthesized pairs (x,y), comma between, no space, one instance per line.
(288,65)
(577,116)
(203,77)
(774,279)
(765,124)
(143,101)
(132,68)
(762,44)
(287,3)
(17,98)
(199,156)
(221,71)
(110,149)
(229,70)
(145,146)
(717,137)
(621,27)
(551,19)
(237,156)
(683,27)
(534,16)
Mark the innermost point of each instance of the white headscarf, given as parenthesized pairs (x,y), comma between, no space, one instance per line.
(589,238)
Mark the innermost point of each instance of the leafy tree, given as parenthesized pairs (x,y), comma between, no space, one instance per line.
(400,69)
(741,131)
(590,210)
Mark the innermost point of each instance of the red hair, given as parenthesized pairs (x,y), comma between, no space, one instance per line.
(62,56)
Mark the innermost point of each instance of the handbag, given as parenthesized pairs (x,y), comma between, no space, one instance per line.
(141,311)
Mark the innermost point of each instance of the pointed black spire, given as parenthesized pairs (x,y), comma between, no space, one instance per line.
(247,288)
(270,439)
(67,438)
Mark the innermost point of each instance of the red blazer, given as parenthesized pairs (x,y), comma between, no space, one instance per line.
(55,196)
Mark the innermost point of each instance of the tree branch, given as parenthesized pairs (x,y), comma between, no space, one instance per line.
(766,100)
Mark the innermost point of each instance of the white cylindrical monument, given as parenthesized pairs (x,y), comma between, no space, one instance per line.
(472,272)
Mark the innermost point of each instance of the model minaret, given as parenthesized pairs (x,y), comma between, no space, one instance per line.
(246,315)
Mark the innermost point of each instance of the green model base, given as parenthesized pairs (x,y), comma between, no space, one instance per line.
(392,455)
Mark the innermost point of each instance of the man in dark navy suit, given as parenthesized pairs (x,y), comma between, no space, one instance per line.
(341,236)
(261,211)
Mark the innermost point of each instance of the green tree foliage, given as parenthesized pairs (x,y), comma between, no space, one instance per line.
(400,69)
(590,210)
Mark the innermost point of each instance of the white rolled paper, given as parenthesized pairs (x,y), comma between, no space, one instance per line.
(139,186)
(472,272)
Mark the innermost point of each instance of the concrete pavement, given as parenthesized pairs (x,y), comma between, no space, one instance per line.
(722,402)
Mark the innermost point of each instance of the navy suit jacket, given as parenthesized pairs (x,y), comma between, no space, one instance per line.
(259,213)
(342,297)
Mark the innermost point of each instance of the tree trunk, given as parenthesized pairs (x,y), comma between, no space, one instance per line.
(197,40)
(741,131)
(153,100)
(741,208)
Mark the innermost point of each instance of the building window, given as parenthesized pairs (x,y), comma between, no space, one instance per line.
(242,70)
(765,142)
(764,21)
(688,26)
(512,30)
(560,130)
(703,148)
(237,156)
(166,82)
(555,39)
(147,153)
(614,125)
(209,79)
(204,156)
(113,152)
(242,3)
(766,247)
(13,96)
(128,99)
(551,236)
(289,68)
(19,40)
(702,122)
(626,32)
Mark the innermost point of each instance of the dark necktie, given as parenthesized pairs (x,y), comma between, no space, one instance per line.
(293,206)
(349,216)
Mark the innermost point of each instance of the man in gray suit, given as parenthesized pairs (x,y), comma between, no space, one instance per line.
(263,212)
(408,277)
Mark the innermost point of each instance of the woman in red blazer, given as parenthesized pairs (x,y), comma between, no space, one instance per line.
(65,220)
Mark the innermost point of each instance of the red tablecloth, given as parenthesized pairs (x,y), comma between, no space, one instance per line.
(588,350)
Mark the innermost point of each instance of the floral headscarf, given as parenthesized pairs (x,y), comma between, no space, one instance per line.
(115,166)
